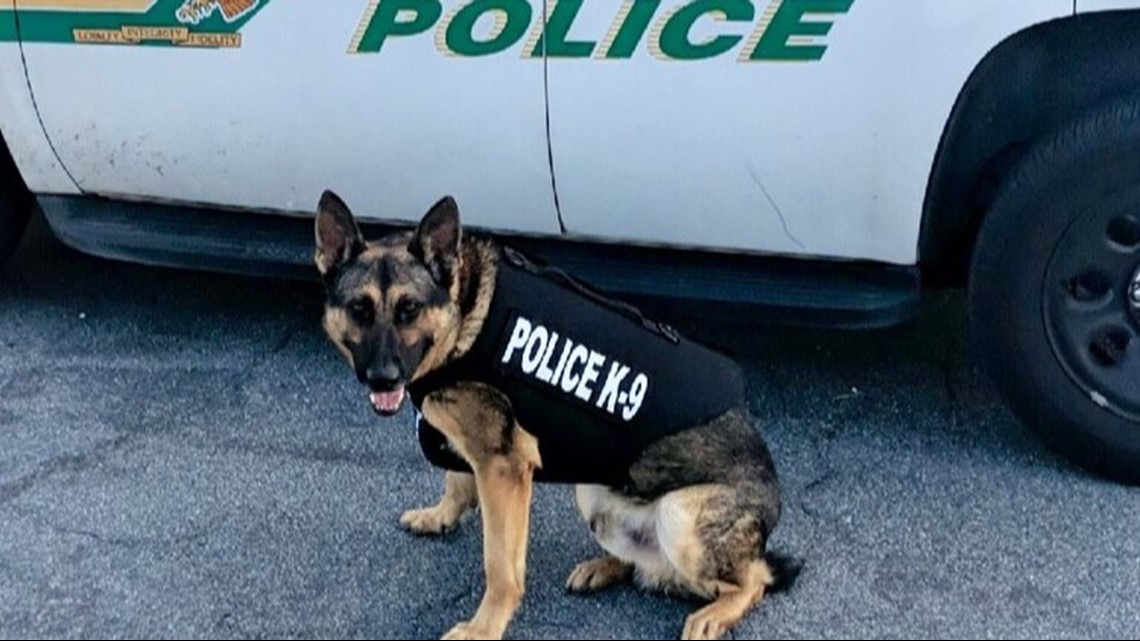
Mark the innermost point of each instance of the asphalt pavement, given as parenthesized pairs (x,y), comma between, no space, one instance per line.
(184,455)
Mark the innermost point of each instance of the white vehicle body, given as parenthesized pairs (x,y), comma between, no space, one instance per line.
(820,147)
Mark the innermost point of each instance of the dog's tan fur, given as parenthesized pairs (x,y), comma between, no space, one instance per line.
(702,536)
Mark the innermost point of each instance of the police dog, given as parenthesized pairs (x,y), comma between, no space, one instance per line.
(693,520)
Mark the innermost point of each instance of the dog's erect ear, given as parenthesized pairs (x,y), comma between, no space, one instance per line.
(437,239)
(338,238)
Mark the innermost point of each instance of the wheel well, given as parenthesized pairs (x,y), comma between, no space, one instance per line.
(16,204)
(11,178)
(1026,87)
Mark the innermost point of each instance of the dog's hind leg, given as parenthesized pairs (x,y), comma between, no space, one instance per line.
(480,425)
(714,537)
(459,495)
(598,574)
(624,528)
(731,604)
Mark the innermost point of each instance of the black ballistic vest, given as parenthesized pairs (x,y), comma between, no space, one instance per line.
(594,380)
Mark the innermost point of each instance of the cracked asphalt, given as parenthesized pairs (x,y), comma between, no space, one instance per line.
(183,455)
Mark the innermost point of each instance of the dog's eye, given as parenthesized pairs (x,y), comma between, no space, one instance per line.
(361,311)
(407,311)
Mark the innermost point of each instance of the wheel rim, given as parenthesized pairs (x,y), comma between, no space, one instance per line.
(1092,304)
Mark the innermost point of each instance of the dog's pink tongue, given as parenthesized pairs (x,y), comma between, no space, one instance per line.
(388,402)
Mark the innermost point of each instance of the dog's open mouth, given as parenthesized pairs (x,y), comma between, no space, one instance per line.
(387,403)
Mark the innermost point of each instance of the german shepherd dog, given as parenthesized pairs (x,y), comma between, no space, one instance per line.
(704,501)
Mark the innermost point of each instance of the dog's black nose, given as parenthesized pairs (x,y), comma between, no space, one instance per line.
(384,376)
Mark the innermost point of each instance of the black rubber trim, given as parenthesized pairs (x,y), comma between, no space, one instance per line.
(781,290)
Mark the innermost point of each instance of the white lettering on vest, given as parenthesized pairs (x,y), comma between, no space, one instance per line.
(535,346)
(577,371)
(518,338)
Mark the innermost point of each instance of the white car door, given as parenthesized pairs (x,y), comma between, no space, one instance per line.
(1086,6)
(264,103)
(799,127)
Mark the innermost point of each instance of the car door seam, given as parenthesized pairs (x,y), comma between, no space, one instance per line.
(32,96)
(546,107)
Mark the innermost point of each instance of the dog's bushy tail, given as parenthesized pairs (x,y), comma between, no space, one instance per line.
(785,569)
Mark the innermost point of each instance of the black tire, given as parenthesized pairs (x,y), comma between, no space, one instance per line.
(1051,314)
(15,206)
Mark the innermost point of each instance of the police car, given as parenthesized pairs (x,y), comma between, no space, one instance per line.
(820,161)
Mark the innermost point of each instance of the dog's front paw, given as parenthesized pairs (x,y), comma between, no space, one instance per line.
(428,521)
(466,630)
(597,574)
